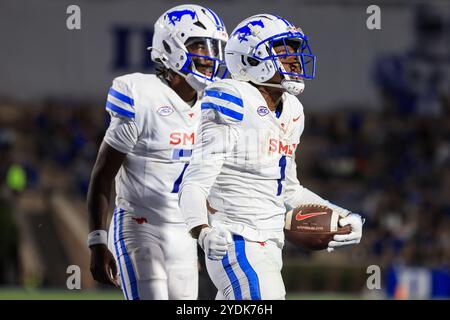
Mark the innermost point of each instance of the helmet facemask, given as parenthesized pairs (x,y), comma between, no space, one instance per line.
(290,49)
(204,62)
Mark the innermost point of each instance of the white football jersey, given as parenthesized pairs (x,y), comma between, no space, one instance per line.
(156,129)
(244,162)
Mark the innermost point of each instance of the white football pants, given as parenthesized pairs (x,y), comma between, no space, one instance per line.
(154,262)
(249,271)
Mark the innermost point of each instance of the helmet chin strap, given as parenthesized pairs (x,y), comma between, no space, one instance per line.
(194,82)
(294,87)
(291,86)
(191,79)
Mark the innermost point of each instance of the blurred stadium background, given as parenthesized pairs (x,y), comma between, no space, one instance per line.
(377,139)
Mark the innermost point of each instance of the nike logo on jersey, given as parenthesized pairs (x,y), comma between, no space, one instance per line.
(296,119)
(299,216)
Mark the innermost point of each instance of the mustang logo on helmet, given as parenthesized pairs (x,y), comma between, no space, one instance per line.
(245,31)
(175,16)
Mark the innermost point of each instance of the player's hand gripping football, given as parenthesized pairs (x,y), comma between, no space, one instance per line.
(103,265)
(354,237)
(214,242)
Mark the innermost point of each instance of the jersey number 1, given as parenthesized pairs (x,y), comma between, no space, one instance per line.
(282,165)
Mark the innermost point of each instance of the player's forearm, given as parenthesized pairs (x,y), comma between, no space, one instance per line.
(305,196)
(98,199)
(192,201)
(107,164)
(195,232)
(296,194)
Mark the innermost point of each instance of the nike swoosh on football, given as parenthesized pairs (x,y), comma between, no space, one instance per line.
(300,217)
(296,119)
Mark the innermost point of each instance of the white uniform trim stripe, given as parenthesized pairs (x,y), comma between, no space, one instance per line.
(120,103)
(220,102)
(225,96)
(334,222)
(288,220)
(119,254)
(133,290)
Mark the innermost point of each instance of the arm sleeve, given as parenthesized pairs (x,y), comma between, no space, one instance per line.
(296,194)
(222,113)
(122,133)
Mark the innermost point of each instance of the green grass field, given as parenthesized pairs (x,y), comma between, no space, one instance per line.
(22,294)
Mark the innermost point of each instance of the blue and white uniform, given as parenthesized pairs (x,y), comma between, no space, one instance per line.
(156,129)
(244,164)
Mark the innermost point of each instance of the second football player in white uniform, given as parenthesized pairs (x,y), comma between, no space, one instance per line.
(244,160)
(146,150)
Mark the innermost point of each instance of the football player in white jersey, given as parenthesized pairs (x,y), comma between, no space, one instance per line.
(146,149)
(244,160)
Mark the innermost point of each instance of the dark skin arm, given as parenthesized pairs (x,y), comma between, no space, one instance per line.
(195,231)
(109,160)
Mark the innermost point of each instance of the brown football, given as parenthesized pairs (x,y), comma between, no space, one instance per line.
(312,227)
